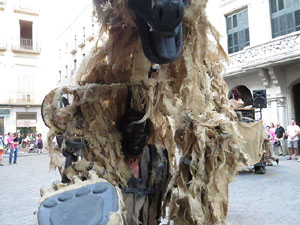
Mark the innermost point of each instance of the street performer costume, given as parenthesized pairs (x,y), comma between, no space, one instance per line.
(162,59)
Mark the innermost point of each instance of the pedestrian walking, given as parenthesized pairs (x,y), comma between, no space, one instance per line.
(279,138)
(1,150)
(40,143)
(16,147)
(20,141)
(293,131)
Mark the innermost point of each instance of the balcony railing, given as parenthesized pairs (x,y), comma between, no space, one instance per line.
(26,43)
(20,102)
(22,98)
(27,46)
(279,50)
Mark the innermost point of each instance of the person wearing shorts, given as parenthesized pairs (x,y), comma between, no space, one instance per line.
(279,135)
(293,131)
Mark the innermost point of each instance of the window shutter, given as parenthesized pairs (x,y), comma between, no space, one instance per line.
(290,20)
(297,18)
(273,6)
(280,5)
(237,31)
(228,23)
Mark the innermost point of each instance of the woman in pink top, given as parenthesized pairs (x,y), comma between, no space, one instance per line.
(271,134)
(13,146)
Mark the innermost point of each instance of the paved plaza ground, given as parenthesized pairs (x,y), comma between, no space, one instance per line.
(20,188)
(269,199)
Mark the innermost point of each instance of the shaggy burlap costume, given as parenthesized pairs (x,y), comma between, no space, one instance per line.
(185,100)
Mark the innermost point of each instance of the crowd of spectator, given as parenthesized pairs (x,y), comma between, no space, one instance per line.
(281,137)
(12,143)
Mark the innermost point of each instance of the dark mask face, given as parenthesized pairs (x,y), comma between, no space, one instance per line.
(160,27)
(134,138)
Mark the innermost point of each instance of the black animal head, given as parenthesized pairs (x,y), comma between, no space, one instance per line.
(160,27)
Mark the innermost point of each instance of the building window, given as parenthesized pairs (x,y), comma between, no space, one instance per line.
(75,64)
(285,16)
(25,34)
(59,75)
(83,34)
(28,98)
(237,31)
(74,68)
(66,75)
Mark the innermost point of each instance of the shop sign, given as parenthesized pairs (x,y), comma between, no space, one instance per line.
(26,123)
(5,111)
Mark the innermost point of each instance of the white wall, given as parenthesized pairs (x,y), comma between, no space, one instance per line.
(66,43)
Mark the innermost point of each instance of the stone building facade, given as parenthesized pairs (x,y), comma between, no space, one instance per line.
(263,41)
(75,43)
(22,87)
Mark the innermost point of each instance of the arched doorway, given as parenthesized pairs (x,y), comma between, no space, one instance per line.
(296,96)
(246,95)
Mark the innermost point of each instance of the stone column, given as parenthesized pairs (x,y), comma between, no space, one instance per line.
(281,111)
(272,110)
(282,119)
(277,113)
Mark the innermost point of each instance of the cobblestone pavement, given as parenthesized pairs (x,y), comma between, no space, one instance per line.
(20,188)
(269,199)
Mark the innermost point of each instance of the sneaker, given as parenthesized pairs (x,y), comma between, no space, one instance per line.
(298,160)
(289,158)
(1,165)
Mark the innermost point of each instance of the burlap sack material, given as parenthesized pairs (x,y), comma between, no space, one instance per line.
(252,140)
(186,102)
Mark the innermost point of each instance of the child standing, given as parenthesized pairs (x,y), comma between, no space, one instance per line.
(40,143)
